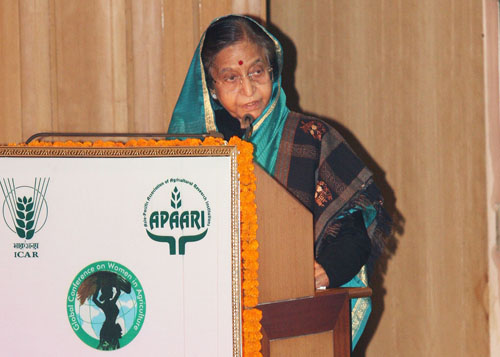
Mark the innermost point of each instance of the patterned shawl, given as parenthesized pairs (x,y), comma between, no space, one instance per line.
(318,167)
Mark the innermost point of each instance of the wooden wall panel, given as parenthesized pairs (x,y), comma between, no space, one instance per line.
(84,75)
(256,8)
(119,35)
(180,40)
(148,77)
(404,81)
(35,65)
(10,73)
(491,11)
(98,65)
(207,9)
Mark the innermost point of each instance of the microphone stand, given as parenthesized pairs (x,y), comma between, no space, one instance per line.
(248,120)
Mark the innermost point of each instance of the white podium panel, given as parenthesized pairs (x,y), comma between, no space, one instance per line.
(134,250)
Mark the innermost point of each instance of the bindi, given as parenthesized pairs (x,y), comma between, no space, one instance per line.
(240,62)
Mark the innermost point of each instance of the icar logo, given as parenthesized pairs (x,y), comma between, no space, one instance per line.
(177,212)
(24,209)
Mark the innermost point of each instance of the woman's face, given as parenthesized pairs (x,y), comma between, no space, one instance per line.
(236,92)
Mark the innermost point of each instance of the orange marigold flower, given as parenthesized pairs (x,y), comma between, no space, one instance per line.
(250,284)
(250,255)
(252,314)
(250,301)
(250,275)
(252,354)
(252,348)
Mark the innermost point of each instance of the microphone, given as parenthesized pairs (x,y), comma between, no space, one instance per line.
(248,120)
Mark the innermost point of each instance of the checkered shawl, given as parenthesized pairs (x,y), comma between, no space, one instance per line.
(319,168)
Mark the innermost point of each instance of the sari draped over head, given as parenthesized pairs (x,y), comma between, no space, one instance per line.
(304,154)
(195,109)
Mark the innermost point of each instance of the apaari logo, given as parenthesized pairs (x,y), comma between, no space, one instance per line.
(177,212)
(24,208)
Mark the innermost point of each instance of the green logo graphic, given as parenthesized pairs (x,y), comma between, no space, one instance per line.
(24,208)
(177,212)
(106,305)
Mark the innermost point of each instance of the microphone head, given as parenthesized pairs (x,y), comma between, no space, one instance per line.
(248,120)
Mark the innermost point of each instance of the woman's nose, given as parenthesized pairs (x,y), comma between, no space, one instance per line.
(247,86)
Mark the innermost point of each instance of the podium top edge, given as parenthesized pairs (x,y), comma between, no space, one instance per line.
(112,152)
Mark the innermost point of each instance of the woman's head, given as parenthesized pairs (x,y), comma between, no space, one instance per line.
(106,293)
(239,59)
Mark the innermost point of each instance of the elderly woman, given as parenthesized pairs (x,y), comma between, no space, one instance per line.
(233,86)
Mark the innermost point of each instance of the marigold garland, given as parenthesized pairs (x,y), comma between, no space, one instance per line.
(251,327)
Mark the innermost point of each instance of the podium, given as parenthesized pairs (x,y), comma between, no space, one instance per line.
(297,321)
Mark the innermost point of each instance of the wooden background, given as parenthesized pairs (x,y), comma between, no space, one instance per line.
(492,85)
(405,82)
(98,65)
(402,80)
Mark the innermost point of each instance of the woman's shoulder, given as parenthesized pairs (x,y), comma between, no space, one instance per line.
(311,127)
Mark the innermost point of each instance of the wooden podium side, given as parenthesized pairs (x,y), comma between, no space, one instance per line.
(285,234)
(296,320)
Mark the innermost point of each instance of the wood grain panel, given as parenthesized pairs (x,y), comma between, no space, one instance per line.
(319,344)
(209,10)
(118,51)
(286,268)
(35,66)
(181,20)
(84,65)
(491,11)
(256,8)
(148,31)
(284,320)
(10,73)
(98,65)
(404,81)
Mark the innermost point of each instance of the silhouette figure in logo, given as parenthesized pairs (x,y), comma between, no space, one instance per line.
(105,288)
(110,330)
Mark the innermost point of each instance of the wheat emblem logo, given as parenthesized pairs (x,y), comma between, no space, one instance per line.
(24,208)
(176,201)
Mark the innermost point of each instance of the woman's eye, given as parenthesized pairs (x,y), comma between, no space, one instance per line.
(256,72)
(230,78)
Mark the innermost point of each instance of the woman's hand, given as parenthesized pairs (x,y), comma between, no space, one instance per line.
(320,277)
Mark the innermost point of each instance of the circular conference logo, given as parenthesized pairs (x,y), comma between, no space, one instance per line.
(106,305)
(177,212)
